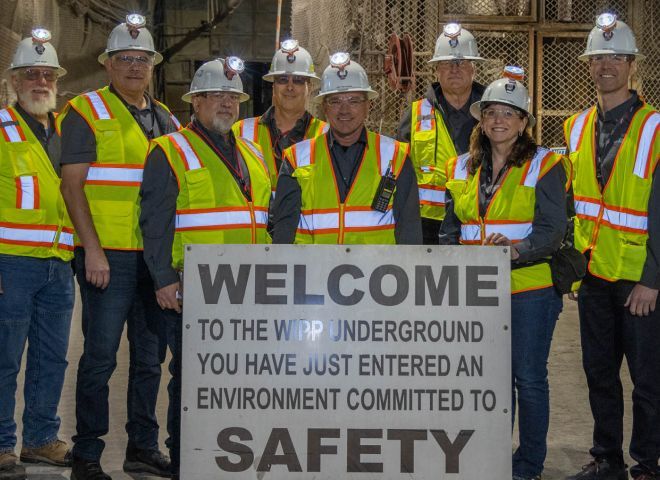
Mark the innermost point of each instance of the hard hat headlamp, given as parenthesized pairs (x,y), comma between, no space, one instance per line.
(40,35)
(290,47)
(233,66)
(340,61)
(135,20)
(607,23)
(514,73)
(452,30)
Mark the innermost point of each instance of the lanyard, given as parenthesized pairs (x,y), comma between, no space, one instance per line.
(616,134)
(236,172)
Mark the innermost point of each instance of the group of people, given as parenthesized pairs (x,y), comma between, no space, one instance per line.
(115,187)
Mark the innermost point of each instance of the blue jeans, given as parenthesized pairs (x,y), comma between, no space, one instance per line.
(36,306)
(533,318)
(129,298)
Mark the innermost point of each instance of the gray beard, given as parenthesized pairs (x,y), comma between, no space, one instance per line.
(37,107)
(222,126)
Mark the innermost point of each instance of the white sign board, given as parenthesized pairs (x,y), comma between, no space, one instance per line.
(346,362)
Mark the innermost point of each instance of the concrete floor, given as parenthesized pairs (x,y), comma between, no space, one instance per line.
(570,425)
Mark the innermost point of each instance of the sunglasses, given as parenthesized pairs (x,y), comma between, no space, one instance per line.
(32,75)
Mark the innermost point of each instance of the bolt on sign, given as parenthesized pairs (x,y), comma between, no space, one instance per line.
(336,362)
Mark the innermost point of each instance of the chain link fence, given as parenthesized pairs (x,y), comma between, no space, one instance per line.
(544,37)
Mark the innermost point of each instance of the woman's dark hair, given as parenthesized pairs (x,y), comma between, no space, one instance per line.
(523,150)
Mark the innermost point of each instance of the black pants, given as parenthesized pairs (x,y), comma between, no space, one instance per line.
(609,332)
(430,231)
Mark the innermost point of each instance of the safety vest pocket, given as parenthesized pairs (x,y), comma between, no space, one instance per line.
(109,141)
(114,220)
(21,216)
(200,188)
(20,158)
(630,257)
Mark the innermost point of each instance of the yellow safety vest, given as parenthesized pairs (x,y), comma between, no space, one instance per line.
(259,133)
(613,224)
(33,219)
(511,210)
(323,218)
(113,181)
(211,208)
(431,147)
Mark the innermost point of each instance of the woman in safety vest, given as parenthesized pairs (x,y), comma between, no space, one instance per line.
(507,191)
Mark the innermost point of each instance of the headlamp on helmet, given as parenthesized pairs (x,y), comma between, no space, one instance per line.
(40,35)
(607,23)
(233,66)
(452,31)
(290,47)
(134,22)
(514,73)
(340,61)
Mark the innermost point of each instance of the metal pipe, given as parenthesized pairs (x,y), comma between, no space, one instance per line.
(277,24)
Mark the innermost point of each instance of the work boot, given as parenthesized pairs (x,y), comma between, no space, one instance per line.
(153,462)
(9,467)
(55,453)
(601,469)
(87,470)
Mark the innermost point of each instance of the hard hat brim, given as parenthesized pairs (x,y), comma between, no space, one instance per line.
(60,71)
(449,58)
(270,76)
(371,94)
(475,110)
(585,56)
(105,55)
(243,97)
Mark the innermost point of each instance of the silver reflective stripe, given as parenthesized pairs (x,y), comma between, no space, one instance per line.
(576,131)
(192,160)
(535,168)
(461,171)
(387,149)
(647,139)
(98,106)
(302,151)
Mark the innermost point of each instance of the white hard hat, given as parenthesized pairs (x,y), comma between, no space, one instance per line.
(344,75)
(610,36)
(36,51)
(220,75)
(455,43)
(509,91)
(131,35)
(292,59)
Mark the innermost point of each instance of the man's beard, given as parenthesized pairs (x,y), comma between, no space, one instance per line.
(222,125)
(38,107)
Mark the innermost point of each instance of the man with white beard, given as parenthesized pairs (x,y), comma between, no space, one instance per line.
(36,247)
(201,185)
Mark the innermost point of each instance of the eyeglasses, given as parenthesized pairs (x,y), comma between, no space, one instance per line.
(448,64)
(616,58)
(507,113)
(124,62)
(32,75)
(351,102)
(221,96)
(284,80)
